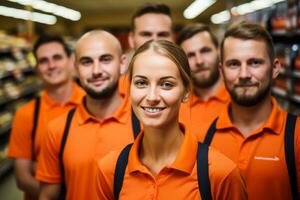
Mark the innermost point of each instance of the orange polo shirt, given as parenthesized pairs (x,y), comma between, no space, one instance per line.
(197,114)
(260,156)
(124,85)
(89,140)
(178,181)
(20,138)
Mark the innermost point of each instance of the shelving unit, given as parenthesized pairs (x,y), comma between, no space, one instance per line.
(18,84)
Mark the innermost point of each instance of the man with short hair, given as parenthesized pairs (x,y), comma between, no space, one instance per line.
(253,130)
(151,21)
(101,123)
(209,95)
(54,66)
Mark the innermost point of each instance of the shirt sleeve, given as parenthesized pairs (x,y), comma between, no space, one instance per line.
(20,142)
(48,169)
(105,176)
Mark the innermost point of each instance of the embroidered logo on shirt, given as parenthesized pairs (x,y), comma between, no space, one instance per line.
(275,158)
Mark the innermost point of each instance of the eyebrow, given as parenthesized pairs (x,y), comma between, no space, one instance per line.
(162,78)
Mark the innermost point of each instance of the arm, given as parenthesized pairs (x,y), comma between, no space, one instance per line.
(24,171)
(49,191)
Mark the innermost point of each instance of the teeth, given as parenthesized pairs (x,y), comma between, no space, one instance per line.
(153,110)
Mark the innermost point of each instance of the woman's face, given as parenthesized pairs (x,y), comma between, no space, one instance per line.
(156,89)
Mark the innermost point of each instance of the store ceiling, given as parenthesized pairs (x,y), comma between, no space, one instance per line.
(116,13)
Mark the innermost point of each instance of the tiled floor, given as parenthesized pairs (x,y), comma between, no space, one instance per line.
(8,188)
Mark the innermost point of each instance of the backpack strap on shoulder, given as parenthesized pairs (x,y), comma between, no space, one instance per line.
(63,191)
(35,123)
(120,170)
(290,153)
(211,132)
(203,172)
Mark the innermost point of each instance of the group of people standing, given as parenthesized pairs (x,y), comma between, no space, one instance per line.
(192,120)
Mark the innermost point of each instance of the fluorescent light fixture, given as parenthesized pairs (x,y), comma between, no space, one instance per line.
(55,9)
(242,9)
(220,17)
(27,15)
(197,7)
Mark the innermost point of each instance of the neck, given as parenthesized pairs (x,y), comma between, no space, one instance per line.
(248,119)
(103,108)
(206,93)
(60,93)
(160,146)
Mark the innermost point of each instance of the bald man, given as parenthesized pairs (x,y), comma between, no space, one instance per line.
(100,124)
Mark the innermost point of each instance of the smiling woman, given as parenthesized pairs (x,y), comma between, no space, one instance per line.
(164,154)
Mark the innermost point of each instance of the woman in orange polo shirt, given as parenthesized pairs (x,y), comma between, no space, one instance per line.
(162,162)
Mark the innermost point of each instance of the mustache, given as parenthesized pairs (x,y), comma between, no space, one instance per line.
(246,83)
(92,79)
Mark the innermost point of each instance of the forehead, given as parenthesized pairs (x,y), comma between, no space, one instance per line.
(95,46)
(153,64)
(235,48)
(50,49)
(199,40)
(153,22)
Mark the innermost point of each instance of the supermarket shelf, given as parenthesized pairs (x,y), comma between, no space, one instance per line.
(5,129)
(8,74)
(27,91)
(279,92)
(296,98)
(5,165)
(296,73)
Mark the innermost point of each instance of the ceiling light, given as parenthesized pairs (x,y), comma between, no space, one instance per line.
(27,15)
(197,7)
(55,9)
(242,9)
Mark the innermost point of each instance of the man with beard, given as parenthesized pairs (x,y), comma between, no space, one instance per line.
(100,124)
(209,95)
(54,66)
(253,130)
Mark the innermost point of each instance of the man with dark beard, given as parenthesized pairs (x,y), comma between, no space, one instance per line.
(209,95)
(253,131)
(100,124)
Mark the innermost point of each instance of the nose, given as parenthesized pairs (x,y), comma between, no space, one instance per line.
(244,72)
(153,96)
(199,59)
(96,69)
(51,64)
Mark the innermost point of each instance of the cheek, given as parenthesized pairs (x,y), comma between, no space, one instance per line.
(136,95)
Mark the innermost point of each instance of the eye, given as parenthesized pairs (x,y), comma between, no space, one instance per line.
(141,83)
(42,61)
(255,62)
(106,59)
(233,64)
(146,34)
(57,57)
(206,50)
(167,85)
(163,34)
(86,61)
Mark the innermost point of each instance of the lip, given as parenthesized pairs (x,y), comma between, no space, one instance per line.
(97,82)
(152,111)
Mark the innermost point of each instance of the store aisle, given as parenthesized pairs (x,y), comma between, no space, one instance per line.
(8,188)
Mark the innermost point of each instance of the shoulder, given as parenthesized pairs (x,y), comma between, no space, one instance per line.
(220,166)
(27,109)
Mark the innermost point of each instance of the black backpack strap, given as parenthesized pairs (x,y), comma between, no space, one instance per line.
(290,153)
(211,132)
(135,124)
(63,191)
(202,172)
(120,170)
(35,123)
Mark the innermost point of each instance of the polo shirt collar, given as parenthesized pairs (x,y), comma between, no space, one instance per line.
(185,159)
(121,115)
(221,95)
(273,123)
(75,99)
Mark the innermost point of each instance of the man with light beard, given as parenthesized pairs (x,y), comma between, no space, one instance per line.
(100,124)
(253,131)
(209,95)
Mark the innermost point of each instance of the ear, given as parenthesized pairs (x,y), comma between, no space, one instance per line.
(72,61)
(186,97)
(123,64)
(276,68)
(131,40)
(221,70)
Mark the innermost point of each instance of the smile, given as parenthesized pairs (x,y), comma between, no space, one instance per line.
(152,109)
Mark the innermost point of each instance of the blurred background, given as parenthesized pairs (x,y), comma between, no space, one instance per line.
(22,21)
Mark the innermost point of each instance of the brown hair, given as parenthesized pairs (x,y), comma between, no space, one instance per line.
(192,29)
(249,31)
(170,50)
